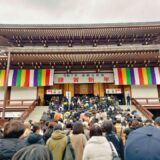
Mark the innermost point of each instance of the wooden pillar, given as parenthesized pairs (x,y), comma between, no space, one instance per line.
(70,88)
(101,89)
(6,85)
(98,89)
(41,95)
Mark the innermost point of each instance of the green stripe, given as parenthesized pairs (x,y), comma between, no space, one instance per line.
(149,76)
(39,77)
(18,79)
(128,75)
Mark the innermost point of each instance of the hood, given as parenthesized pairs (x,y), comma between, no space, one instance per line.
(97,139)
(58,134)
(33,138)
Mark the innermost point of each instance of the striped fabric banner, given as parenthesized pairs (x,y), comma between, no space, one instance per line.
(30,78)
(137,76)
(2,77)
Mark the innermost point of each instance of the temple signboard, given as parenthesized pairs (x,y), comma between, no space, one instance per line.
(84,78)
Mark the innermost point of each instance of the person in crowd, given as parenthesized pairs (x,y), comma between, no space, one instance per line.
(33,152)
(97,146)
(49,130)
(78,139)
(1,133)
(35,137)
(111,136)
(11,141)
(128,100)
(143,144)
(69,127)
(27,130)
(57,142)
(157,122)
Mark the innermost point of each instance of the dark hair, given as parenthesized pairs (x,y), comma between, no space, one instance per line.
(78,128)
(107,126)
(33,152)
(13,129)
(69,125)
(95,130)
(35,127)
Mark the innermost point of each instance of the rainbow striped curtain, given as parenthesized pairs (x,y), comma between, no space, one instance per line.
(30,78)
(137,76)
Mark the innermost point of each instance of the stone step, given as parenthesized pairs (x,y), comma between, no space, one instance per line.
(37,113)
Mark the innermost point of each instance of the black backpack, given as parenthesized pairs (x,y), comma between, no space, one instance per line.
(69,153)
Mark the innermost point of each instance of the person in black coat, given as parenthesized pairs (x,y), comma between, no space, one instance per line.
(34,137)
(11,141)
(111,136)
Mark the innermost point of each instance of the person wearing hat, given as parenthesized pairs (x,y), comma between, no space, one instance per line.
(157,122)
(143,144)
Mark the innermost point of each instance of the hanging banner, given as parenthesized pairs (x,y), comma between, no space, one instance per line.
(137,76)
(2,77)
(113,91)
(54,91)
(31,78)
(84,78)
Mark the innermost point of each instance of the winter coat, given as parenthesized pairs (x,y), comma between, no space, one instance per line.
(34,138)
(78,142)
(48,133)
(57,144)
(9,146)
(97,148)
(117,142)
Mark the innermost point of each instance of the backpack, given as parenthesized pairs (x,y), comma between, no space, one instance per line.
(69,151)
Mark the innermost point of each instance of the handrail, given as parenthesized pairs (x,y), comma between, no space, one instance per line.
(27,112)
(142,109)
(148,100)
(22,102)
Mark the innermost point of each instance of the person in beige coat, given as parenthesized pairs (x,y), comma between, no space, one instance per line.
(78,140)
(57,143)
(97,148)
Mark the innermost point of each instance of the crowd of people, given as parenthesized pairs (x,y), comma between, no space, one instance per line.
(85,129)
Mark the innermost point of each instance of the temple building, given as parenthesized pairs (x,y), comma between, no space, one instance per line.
(93,59)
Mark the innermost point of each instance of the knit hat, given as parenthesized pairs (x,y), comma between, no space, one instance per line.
(143,144)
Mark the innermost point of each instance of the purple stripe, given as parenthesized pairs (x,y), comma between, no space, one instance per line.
(14,78)
(132,76)
(36,77)
(153,76)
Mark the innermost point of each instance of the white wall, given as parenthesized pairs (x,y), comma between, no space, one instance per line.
(23,93)
(144,91)
(1,93)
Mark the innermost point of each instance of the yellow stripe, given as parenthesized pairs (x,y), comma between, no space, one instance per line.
(43,77)
(23,77)
(2,76)
(124,76)
(144,72)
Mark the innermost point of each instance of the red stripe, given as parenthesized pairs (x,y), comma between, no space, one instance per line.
(120,75)
(47,76)
(26,84)
(159,69)
(141,79)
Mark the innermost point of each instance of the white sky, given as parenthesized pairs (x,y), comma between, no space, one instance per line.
(78,11)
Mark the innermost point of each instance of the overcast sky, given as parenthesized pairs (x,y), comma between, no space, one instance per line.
(78,11)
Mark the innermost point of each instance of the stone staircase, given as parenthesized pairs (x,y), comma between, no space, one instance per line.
(37,113)
(132,108)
